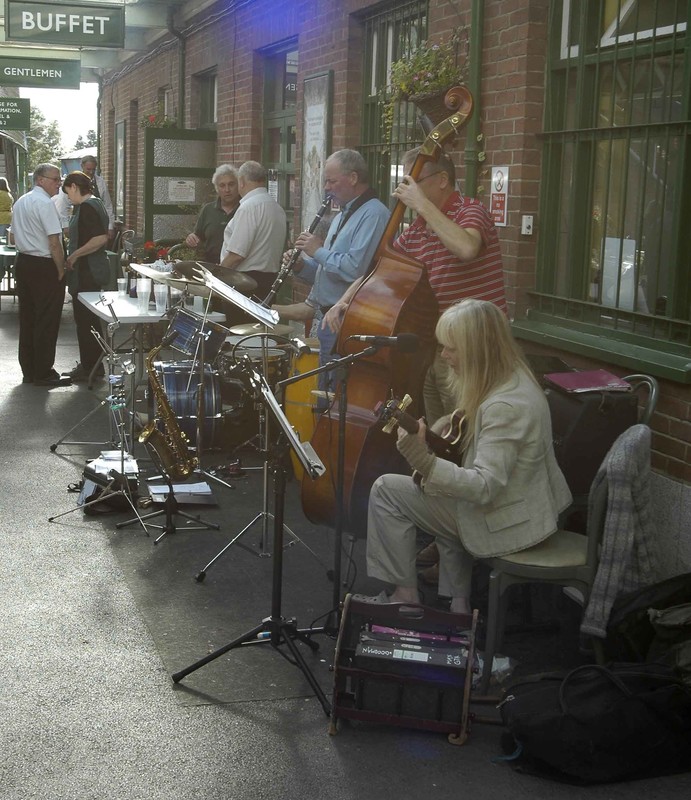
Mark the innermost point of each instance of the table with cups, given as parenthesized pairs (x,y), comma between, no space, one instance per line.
(138,312)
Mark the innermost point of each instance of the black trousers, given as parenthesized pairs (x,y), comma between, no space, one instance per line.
(89,349)
(41,297)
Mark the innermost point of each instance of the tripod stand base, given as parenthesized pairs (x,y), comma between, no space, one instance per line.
(273,631)
(171,510)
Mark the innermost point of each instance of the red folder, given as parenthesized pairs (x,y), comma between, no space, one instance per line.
(596,380)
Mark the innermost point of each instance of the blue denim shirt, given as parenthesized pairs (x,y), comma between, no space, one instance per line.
(336,267)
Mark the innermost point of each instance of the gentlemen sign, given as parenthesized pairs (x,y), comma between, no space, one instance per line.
(40,72)
(14,114)
(76,24)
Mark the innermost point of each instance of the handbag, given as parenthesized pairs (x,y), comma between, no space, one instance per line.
(599,724)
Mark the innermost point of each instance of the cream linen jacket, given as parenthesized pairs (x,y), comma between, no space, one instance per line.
(510,489)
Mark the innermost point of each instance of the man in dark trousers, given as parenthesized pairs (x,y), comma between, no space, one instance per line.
(40,276)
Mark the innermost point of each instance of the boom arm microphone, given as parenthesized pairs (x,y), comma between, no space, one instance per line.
(405,342)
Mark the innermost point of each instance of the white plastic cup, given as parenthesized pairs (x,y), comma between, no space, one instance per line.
(161,297)
(122,286)
(143,294)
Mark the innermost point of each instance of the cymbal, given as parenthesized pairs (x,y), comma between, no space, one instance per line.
(237,280)
(251,328)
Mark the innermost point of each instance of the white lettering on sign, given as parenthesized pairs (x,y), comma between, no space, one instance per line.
(30,72)
(49,21)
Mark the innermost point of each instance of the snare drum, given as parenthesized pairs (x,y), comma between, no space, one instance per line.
(234,355)
(180,381)
(190,329)
(299,402)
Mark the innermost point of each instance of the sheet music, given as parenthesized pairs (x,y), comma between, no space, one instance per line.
(266,316)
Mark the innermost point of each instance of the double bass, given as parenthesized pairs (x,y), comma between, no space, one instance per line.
(394,298)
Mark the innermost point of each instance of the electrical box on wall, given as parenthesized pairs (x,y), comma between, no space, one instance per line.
(527,224)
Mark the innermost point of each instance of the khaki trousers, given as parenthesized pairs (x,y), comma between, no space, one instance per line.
(396,508)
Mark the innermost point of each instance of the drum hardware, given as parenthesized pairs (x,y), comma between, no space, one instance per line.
(267,320)
(120,479)
(120,366)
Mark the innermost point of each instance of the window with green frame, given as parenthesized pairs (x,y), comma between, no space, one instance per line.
(207,85)
(613,257)
(390,31)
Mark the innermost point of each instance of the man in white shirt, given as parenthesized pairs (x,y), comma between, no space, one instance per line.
(40,277)
(99,189)
(254,239)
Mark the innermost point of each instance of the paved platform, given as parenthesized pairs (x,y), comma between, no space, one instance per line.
(96,619)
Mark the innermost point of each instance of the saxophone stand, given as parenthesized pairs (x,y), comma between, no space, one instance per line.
(170,505)
(275,629)
(170,509)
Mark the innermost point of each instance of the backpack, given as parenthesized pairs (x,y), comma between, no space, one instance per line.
(597,724)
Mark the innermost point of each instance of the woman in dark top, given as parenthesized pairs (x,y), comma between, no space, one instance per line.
(87,266)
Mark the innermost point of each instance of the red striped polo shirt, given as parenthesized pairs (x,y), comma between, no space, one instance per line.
(450,278)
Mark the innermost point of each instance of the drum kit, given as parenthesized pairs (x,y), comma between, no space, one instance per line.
(230,357)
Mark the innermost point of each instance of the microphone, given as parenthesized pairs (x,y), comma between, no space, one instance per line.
(405,342)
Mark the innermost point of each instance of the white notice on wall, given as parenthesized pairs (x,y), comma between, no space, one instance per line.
(499,207)
(181,191)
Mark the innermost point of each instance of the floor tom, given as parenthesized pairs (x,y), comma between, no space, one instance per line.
(180,381)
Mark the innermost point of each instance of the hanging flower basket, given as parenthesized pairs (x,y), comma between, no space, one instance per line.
(432,104)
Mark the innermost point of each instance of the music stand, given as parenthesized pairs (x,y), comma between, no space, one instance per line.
(269,318)
(276,629)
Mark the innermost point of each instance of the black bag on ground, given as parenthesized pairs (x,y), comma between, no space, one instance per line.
(630,632)
(599,724)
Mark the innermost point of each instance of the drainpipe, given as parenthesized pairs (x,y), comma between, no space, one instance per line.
(474,79)
(181,66)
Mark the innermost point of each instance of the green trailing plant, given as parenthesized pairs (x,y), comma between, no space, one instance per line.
(425,70)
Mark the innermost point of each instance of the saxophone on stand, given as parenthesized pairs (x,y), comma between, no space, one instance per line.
(172,446)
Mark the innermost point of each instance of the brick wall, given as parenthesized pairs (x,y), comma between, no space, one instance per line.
(329,35)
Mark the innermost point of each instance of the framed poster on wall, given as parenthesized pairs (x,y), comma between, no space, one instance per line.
(316,141)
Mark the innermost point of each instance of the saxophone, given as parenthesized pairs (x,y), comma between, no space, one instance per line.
(171,447)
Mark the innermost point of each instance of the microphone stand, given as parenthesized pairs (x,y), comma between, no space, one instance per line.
(341,366)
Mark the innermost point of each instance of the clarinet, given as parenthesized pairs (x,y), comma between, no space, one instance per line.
(288,268)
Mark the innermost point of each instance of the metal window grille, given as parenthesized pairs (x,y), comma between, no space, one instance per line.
(391,31)
(615,245)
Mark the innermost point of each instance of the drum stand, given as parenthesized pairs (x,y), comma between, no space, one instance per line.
(128,368)
(275,629)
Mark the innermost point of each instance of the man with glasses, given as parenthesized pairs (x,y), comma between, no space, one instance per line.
(455,238)
(40,277)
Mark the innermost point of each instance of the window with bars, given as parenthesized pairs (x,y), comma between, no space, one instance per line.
(390,31)
(207,85)
(615,246)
